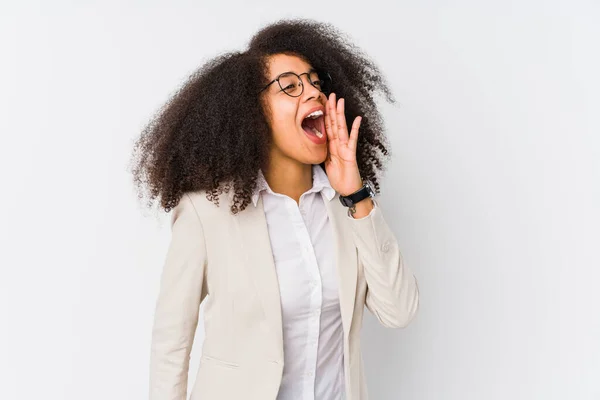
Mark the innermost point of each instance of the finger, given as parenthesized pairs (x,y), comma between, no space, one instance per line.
(332,120)
(331,136)
(327,118)
(342,129)
(352,142)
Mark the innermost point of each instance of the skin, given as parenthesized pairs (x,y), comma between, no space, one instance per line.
(292,153)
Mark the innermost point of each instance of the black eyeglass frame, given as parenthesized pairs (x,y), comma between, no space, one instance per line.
(321,74)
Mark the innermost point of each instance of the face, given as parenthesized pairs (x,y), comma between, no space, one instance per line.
(297,137)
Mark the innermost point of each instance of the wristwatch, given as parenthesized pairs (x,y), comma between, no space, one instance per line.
(359,195)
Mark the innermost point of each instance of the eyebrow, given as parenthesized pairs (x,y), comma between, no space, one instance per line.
(286,72)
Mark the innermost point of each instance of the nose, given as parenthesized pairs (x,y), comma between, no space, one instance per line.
(309,92)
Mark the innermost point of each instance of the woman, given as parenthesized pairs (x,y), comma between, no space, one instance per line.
(274,223)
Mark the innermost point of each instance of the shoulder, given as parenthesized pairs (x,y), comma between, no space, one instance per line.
(203,207)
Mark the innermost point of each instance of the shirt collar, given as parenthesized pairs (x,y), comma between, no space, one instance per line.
(320,184)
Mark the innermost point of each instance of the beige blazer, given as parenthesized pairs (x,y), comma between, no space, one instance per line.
(226,261)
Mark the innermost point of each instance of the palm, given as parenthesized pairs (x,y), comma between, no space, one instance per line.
(340,164)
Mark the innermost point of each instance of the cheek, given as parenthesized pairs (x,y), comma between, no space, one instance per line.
(282,119)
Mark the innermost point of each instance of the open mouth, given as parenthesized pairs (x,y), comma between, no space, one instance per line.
(314,124)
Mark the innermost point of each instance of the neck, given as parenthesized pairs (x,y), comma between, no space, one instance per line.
(289,178)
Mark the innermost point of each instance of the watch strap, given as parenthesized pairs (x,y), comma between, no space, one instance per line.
(359,195)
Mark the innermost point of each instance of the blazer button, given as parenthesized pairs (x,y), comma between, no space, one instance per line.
(385,247)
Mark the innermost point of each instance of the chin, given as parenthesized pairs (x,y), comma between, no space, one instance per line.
(320,159)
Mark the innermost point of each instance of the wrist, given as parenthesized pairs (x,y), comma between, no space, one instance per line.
(358,185)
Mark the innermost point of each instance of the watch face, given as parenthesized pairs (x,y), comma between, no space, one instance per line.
(346,202)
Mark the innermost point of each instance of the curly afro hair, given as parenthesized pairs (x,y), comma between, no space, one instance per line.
(213,134)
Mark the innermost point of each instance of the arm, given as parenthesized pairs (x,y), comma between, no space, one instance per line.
(182,289)
(392,291)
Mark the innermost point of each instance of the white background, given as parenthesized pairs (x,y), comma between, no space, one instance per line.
(493,192)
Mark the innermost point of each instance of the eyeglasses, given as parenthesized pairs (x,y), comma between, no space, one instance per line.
(291,83)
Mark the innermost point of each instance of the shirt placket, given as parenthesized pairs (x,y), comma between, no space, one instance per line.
(315,302)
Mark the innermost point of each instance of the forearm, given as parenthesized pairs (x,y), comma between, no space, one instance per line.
(392,290)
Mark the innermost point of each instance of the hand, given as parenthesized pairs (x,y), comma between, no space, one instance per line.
(340,165)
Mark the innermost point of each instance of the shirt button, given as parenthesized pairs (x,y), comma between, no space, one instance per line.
(310,373)
(386,247)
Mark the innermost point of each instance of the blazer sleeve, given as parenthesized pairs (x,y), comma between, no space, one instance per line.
(392,290)
(182,289)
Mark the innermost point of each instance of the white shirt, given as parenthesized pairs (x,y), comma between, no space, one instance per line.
(302,244)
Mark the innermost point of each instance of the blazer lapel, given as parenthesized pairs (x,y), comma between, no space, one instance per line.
(346,260)
(252,225)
